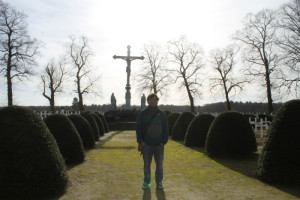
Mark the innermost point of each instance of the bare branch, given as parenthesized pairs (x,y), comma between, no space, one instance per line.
(188,59)
(17,50)
(258,37)
(154,75)
(80,54)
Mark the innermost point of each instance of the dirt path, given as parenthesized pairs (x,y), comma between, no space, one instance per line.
(114,171)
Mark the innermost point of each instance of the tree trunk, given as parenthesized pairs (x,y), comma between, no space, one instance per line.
(190,97)
(192,103)
(80,98)
(269,94)
(227,101)
(52,103)
(80,102)
(9,84)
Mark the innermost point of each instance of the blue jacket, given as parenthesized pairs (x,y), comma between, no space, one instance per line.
(158,131)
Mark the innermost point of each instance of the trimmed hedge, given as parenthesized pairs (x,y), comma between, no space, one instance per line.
(172,117)
(99,124)
(121,115)
(84,129)
(31,165)
(197,131)
(181,125)
(230,134)
(279,160)
(67,138)
(106,127)
(90,118)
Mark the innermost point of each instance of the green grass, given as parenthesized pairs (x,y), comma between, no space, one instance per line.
(114,170)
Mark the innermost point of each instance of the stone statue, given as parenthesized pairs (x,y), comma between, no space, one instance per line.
(128,59)
(113,101)
(143,102)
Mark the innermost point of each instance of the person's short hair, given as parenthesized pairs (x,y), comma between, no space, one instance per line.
(152,95)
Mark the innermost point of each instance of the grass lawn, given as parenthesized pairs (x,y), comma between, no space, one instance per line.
(114,170)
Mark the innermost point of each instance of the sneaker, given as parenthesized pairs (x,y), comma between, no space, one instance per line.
(159,185)
(146,185)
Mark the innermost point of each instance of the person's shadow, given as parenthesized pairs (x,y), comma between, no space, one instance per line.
(160,194)
(147,194)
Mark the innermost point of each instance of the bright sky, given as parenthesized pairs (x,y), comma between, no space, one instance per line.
(113,25)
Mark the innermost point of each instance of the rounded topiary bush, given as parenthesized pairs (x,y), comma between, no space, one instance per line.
(84,129)
(31,165)
(67,138)
(181,125)
(279,160)
(172,117)
(99,124)
(106,127)
(90,118)
(230,134)
(197,130)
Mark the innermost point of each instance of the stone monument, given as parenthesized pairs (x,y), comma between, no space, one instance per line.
(113,102)
(143,102)
(128,59)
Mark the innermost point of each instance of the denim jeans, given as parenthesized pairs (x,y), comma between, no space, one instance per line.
(158,153)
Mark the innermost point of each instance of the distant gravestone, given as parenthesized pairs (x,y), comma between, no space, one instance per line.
(143,102)
(113,102)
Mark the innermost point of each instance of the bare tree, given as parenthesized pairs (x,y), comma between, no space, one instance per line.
(17,49)
(224,63)
(187,58)
(258,37)
(289,44)
(52,80)
(153,75)
(80,54)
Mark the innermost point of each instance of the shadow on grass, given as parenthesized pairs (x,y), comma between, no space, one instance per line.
(109,137)
(124,147)
(160,194)
(247,166)
(98,145)
(147,194)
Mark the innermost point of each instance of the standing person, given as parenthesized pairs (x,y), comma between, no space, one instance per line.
(152,132)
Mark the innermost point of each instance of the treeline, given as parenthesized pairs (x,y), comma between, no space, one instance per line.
(244,107)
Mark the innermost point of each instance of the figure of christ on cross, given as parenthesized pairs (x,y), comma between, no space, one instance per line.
(128,59)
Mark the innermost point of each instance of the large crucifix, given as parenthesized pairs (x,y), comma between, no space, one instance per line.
(128,59)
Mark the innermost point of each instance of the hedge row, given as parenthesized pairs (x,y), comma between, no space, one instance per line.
(31,163)
(279,160)
(34,153)
(228,134)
